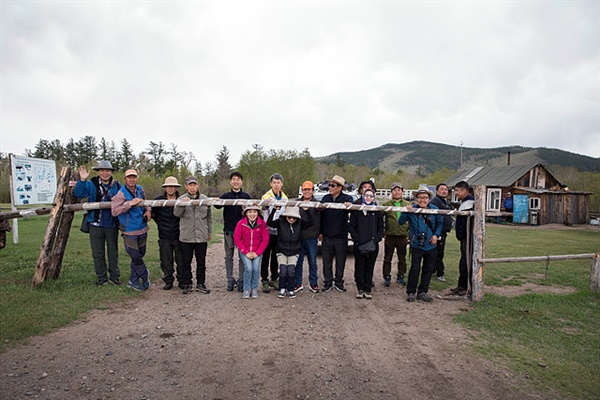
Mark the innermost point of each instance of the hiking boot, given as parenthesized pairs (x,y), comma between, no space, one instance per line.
(410,298)
(266,288)
(230,285)
(458,291)
(360,294)
(135,286)
(101,282)
(292,294)
(240,285)
(254,293)
(202,289)
(340,287)
(328,288)
(441,278)
(246,294)
(400,280)
(367,295)
(168,286)
(187,289)
(314,288)
(387,280)
(424,297)
(281,294)
(274,283)
(298,288)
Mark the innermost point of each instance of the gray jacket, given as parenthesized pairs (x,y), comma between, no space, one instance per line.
(195,222)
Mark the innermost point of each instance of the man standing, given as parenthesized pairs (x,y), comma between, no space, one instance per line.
(464,230)
(103,228)
(269,260)
(231,216)
(195,230)
(425,231)
(441,201)
(334,235)
(396,237)
(168,234)
(132,223)
(310,237)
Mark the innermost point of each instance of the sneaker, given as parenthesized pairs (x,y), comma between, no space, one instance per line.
(168,286)
(298,288)
(281,294)
(255,293)
(458,291)
(274,283)
(401,280)
(115,281)
(230,285)
(101,282)
(187,289)
(146,284)
(368,295)
(314,288)
(135,286)
(240,285)
(441,278)
(424,297)
(292,294)
(246,294)
(360,294)
(327,288)
(340,287)
(410,298)
(202,289)
(266,288)
(387,280)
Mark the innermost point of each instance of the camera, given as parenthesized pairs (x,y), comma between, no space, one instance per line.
(421,237)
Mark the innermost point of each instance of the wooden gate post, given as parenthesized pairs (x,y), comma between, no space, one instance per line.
(595,274)
(478,240)
(62,237)
(41,268)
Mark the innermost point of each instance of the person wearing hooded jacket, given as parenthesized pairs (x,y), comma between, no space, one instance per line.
(463,231)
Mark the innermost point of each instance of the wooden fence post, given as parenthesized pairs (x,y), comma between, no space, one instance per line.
(41,268)
(62,237)
(595,274)
(478,240)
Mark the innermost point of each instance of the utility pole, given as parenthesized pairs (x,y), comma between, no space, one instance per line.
(461,146)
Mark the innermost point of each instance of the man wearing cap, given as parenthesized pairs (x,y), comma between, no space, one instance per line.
(168,234)
(269,260)
(195,230)
(310,237)
(103,228)
(134,227)
(441,201)
(231,216)
(396,237)
(425,231)
(334,234)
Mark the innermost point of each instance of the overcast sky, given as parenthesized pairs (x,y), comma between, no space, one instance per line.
(330,76)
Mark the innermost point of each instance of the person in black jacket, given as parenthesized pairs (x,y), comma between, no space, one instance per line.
(289,240)
(231,216)
(464,231)
(334,235)
(366,229)
(168,234)
(441,201)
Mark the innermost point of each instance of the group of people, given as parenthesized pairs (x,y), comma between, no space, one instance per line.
(273,241)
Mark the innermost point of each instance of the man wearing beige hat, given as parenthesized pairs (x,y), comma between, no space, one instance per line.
(169,246)
(334,235)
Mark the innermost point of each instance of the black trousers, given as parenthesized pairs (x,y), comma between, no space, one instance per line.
(463,267)
(428,257)
(439,261)
(334,248)
(189,250)
(170,255)
(364,264)
(269,261)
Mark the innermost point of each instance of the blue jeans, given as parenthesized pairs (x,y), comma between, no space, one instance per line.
(251,271)
(135,246)
(308,248)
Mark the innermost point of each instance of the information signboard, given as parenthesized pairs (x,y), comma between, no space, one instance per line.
(33,180)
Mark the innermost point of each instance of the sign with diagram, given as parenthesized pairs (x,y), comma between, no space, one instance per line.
(33,180)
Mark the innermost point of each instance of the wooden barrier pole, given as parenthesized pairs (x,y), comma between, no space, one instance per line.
(62,237)
(41,268)
(478,239)
(595,274)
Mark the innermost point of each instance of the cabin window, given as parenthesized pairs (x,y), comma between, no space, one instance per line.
(494,199)
(534,203)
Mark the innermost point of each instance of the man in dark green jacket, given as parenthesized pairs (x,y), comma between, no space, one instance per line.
(396,237)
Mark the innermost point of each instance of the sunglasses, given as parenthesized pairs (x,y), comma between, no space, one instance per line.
(333,185)
(369,196)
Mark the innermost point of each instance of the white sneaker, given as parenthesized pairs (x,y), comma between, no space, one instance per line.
(441,278)
(246,294)
(281,294)
(255,293)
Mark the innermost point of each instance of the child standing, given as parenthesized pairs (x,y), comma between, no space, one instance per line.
(251,236)
(289,239)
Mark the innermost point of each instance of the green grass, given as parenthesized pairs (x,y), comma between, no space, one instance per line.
(551,338)
(25,311)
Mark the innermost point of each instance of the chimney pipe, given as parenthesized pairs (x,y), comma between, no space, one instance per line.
(509,158)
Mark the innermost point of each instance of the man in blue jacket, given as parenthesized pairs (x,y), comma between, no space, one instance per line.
(103,229)
(425,231)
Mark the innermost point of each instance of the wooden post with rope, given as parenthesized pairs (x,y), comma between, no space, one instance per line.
(478,240)
(595,273)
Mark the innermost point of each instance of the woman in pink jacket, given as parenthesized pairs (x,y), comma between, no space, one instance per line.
(251,236)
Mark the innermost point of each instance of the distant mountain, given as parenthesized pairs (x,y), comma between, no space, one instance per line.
(431,157)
